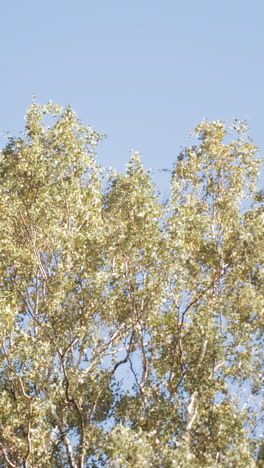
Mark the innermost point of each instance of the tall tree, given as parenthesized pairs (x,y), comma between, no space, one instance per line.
(130,330)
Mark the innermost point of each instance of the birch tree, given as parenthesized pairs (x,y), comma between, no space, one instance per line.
(131,330)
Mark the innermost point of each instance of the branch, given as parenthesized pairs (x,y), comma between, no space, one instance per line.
(145,361)
(202,293)
(28,435)
(33,245)
(6,457)
(98,355)
(65,439)
(119,363)
(191,410)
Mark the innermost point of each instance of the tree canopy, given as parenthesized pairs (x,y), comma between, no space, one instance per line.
(130,329)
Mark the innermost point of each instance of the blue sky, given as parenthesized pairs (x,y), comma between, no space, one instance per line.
(143,72)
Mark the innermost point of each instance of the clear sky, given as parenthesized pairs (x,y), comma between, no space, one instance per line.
(144,72)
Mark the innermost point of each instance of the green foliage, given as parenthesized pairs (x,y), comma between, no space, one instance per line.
(130,331)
